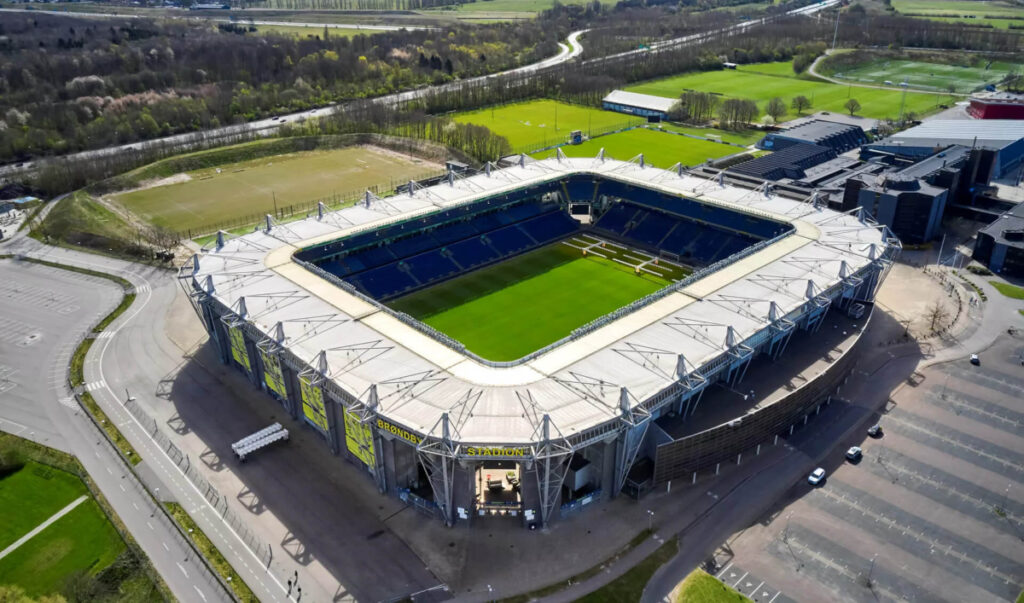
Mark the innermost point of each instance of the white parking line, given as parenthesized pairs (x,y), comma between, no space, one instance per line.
(740,580)
(724,569)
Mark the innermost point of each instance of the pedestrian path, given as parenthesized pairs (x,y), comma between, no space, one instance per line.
(44,525)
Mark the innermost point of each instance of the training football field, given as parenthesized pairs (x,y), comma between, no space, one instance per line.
(505,311)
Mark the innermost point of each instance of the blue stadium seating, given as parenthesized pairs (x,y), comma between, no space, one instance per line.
(509,240)
(419,252)
(431,266)
(472,252)
(384,281)
(550,226)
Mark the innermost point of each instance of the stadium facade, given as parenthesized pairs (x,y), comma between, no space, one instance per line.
(301,308)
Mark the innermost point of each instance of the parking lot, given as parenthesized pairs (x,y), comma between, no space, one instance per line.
(933,511)
(41,310)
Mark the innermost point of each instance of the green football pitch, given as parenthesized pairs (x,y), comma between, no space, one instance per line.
(508,310)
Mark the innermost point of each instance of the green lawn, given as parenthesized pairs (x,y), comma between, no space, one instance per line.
(537,124)
(701,587)
(249,188)
(745,138)
(967,11)
(927,75)
(31,495)
(506,311)
(660,149)
(630,586)
(304,31)
(761,87)
(1011,291)
(518,8)
(81,541)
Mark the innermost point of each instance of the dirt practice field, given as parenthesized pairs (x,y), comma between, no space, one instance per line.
(209,196)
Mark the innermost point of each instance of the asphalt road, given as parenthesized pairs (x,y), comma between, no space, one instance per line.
(44,313)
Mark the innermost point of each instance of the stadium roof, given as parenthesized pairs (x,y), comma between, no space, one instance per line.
(988,133)
(643,101)
(582,384)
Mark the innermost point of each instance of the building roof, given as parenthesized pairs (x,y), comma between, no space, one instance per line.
(584,383)
(864,123)
(789,162)
(998,97)
(1010,221)
(990,134)
(643,101)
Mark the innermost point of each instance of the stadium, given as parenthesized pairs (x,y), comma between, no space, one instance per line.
(527,340)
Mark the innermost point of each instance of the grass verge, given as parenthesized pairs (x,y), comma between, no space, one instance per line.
(1011,291)
(580,577)
(630,586)
(210,552)
(701,587)
(110,428)
(130,577)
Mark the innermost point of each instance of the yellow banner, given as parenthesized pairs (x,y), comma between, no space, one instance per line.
(272,374)
(313,405)
(238,351)
(359,438)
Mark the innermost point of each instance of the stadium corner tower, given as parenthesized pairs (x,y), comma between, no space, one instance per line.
(620,403)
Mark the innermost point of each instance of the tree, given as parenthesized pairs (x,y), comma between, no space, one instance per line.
(801,103)
(776,108)
(736,113)
(935,314)
(852,105)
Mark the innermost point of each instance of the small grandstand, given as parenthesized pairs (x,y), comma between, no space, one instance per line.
(305,310)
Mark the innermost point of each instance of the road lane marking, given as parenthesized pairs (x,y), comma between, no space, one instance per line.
(199,591)
(166,548)
(150,526)
(182,568)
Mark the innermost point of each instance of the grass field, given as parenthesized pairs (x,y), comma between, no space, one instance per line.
(31,495)
(537,124)
(231,191)
(660,149)
(761,87)
(745,138)
(967,11)
(508,9)
(701,587)
(505,311)
(927,75)
(80,541)
(304,31)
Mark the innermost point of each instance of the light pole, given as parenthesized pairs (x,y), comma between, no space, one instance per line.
(835,36)
(650,520)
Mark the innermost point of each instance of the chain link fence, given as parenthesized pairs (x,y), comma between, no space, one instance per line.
(212,495)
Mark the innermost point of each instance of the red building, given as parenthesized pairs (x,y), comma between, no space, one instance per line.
(997,105)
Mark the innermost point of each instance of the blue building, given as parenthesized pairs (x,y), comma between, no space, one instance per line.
(1001,139)
(642,105)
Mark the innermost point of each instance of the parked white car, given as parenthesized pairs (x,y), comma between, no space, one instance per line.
(816,476)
